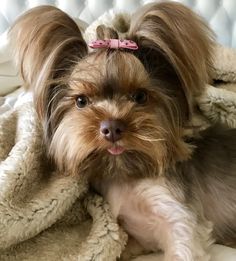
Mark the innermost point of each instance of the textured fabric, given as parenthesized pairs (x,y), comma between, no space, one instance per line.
(33,199)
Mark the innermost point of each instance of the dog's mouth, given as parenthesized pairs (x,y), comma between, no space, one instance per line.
(116,150)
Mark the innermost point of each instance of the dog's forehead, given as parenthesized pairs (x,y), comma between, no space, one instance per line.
(110,73)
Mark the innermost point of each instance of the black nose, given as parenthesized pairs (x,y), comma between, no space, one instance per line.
(112,129)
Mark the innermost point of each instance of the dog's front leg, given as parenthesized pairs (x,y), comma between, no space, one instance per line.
(151,214)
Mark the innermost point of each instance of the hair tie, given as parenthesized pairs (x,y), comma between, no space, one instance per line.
(114,44)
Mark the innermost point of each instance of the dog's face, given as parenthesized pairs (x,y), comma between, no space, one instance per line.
(113,109)
(115,116)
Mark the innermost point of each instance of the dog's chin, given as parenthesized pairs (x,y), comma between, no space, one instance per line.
(119,163)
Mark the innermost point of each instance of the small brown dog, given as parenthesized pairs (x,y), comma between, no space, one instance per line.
(119,116)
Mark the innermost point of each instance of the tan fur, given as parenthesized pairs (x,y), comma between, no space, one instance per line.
(46,43)
(148,185)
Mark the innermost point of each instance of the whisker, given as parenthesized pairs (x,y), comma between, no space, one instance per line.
(146,138)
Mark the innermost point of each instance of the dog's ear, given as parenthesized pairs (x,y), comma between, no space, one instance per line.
(175,46)
(46,44)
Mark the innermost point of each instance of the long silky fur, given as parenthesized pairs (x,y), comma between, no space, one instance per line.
(154,187)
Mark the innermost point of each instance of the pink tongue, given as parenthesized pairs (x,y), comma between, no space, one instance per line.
(116,150)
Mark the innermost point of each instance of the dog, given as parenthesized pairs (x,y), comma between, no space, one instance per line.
(118,116)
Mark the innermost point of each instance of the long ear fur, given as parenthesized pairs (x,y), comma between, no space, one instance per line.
(46,44)
(175,44)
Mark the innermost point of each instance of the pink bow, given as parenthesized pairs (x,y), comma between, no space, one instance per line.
(114,44)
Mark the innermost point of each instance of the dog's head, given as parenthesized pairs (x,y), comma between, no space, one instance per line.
(112,108)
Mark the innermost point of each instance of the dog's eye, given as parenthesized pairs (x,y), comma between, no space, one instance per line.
(140,97)
(82,101)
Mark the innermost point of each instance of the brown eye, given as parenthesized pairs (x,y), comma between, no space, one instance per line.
(82,101)
(140,97)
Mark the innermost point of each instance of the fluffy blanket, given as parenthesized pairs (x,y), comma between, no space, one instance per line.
(46,215)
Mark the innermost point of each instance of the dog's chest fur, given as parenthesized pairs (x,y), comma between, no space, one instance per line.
(154,209)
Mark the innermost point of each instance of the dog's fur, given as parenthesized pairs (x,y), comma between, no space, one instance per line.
(163,188)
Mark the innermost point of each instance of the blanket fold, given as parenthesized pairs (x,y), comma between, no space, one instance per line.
(29,201)
(33,198)
(46,215)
